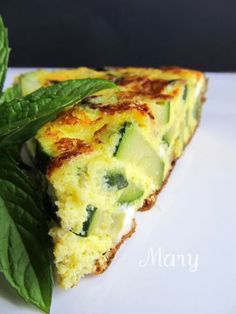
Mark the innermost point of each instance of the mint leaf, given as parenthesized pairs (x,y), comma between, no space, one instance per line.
(24,249)
(22,118)
(4,52)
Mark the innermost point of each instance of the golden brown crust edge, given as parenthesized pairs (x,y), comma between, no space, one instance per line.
(111,254)
(148,203)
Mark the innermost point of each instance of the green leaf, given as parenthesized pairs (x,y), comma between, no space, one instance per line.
(24,249)
(22,118)
(10,94)
(4,52)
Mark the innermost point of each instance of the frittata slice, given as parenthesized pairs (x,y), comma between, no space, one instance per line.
(109,155)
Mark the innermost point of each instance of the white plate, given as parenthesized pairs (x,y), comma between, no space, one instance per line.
(195,216)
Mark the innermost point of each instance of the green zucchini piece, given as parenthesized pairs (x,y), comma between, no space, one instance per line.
(30,82)
(116,179)
(162,113)
(31,146)
(42,159)
(130,194)
(134,149)
(169,135)
(197,109)
(90,213)
(120,135)
(38,157)
(185,92)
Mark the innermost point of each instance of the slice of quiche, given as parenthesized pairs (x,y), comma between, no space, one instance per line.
(110,155)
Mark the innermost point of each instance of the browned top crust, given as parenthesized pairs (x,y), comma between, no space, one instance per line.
(66,144)
(68,118)
(177,70)
(143,86)
(57,162)
(123,106)
(172,68)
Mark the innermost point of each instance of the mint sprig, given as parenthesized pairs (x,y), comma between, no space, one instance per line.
(24,243)
(10,93)
(4,52)
(22,118)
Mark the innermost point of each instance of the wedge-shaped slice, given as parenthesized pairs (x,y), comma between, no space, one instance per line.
(109,155)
